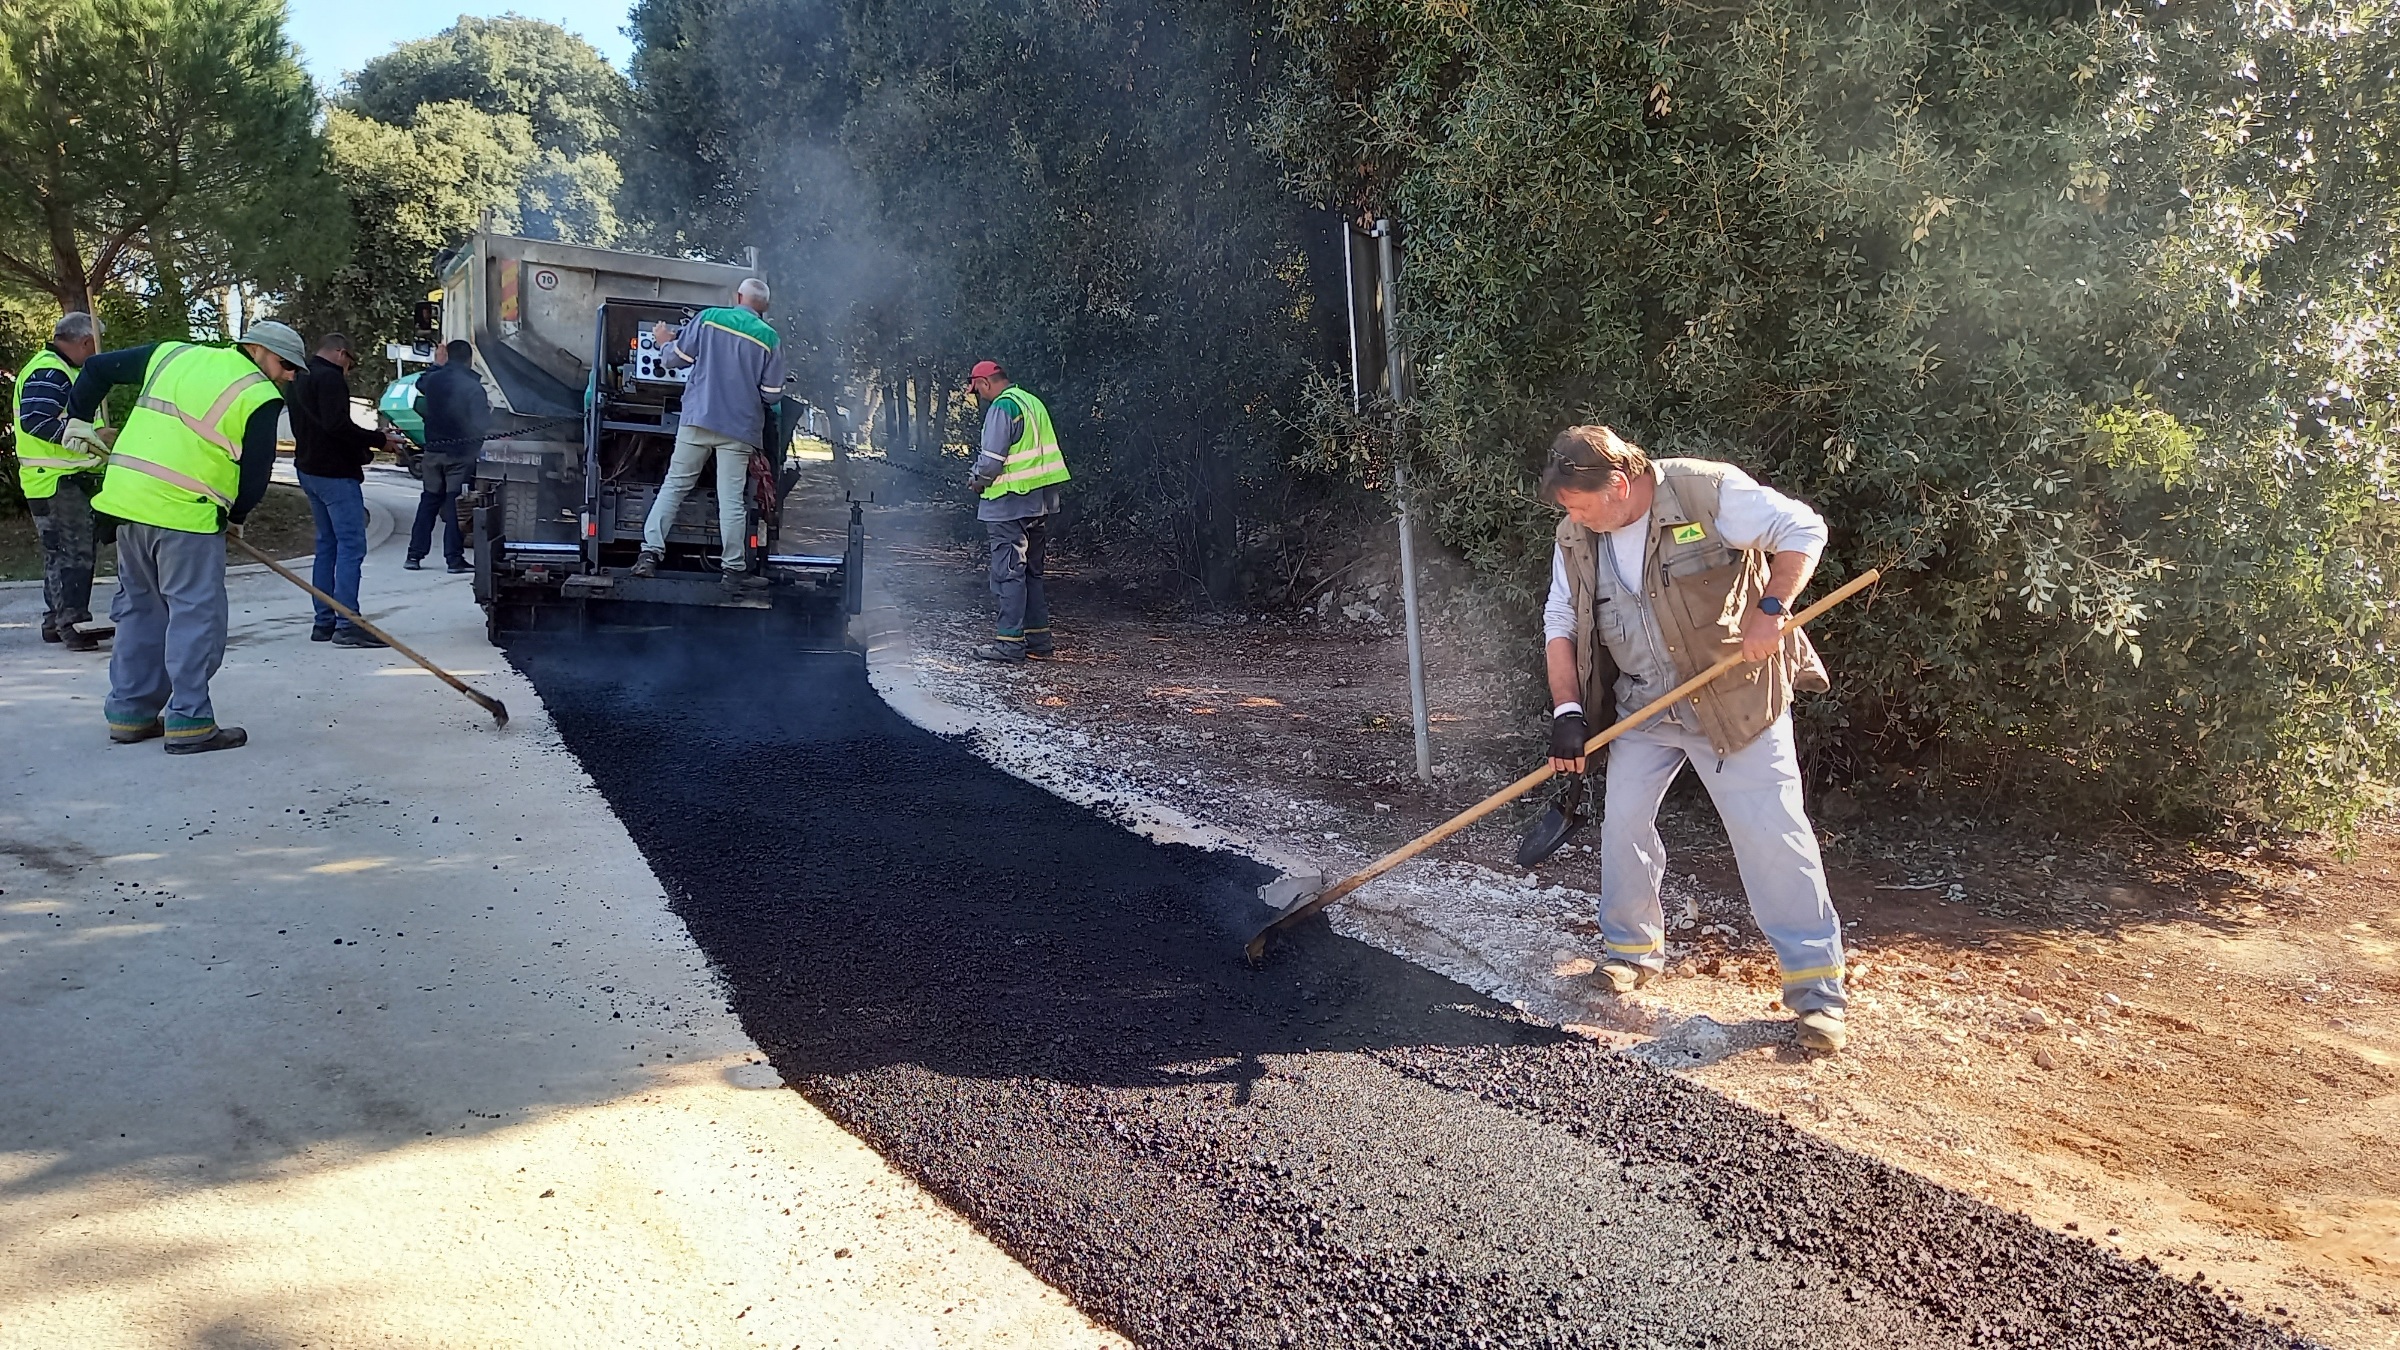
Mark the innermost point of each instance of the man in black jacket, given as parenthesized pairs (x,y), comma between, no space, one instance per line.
(456,410)
(331,451)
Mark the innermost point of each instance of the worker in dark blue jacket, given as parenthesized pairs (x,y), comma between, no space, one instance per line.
(451,399)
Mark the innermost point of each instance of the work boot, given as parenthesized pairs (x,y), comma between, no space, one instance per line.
(149,731)
(1039,644)
(322,633)
(646,565)
(357,637)
(413,564)
(50,632)
(77,640)
(1822,1030)
(456,566)
(739,581)
(223,738)
(1623,977)
(1006,652)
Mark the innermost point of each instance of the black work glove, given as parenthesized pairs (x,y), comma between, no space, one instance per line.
(1567,736)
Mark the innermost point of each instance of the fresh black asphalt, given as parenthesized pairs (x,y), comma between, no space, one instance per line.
(1045,1019)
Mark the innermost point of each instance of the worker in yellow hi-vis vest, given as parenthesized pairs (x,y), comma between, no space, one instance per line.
(58,480)
(1018,473)
(196,454)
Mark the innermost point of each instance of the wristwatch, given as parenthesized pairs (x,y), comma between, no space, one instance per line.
(1773,606)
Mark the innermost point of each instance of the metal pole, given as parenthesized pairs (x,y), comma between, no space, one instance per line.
(1408,543)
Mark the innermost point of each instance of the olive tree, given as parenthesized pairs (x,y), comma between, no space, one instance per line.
(2079,321)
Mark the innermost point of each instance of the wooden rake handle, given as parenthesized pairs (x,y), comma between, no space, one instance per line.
(1307,905)
(495,707)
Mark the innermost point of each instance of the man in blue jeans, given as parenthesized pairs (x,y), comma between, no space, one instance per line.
(330,450)
(456,410)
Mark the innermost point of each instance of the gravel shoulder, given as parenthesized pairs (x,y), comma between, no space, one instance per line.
(2189,1056)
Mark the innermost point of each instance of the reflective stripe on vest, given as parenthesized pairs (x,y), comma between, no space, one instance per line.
(205,425)
(176,468)
(41,463)
(166,475)
(1034,461)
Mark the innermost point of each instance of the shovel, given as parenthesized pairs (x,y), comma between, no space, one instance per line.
(1552,829)
(1303,896)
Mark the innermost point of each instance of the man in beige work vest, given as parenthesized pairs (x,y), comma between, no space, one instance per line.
(1661,569)
(197,454)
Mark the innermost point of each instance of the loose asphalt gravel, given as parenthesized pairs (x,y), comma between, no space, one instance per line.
(1045,1018)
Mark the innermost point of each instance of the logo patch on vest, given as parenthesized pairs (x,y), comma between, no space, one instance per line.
(1689,534)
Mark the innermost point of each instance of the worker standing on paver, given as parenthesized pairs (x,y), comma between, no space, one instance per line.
(1017,470)
(330,452)
(197,454)
(451,399)
(1662,568)
(737,373)
(58,480)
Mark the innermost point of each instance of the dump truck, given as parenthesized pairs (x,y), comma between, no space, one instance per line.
(585,411)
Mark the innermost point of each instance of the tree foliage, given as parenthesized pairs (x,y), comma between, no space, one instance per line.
(169,141)
(1071,189)
(511,116)
(571,99)
(2080,321)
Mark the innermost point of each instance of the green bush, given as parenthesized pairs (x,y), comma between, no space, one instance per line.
(2079,323)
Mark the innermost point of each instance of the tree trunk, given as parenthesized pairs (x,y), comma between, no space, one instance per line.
(68,281)
(173,305)
(929,415)
(1216,522)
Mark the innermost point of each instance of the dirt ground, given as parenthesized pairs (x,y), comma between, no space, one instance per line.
(2189,1054)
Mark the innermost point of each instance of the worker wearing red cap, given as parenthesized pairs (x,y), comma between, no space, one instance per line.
(1018,472)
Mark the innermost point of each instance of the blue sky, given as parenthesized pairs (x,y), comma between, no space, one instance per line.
(335,36)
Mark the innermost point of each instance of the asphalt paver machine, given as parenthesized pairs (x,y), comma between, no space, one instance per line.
(585,414)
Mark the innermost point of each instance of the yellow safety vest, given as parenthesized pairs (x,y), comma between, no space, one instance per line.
(40,463)
(1035,460)
(178,461)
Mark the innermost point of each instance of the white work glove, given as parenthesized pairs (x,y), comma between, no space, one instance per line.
(88,439)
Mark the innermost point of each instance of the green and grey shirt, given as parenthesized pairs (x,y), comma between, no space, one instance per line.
(737,370)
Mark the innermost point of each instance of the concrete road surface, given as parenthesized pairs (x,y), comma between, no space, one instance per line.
(378,1032)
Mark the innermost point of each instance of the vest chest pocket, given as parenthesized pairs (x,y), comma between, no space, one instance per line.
(1705,597)
(1704,554)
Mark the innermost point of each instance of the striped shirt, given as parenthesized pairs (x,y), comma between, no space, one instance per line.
(42,413)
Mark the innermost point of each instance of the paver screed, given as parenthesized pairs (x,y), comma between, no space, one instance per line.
(1045,1017)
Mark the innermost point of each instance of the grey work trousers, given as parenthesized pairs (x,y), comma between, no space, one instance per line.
(1757,792)
(63,523)
(170,613)
(1019,548)
(694,447)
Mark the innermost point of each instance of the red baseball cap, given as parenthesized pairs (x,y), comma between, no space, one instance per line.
(985,370)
